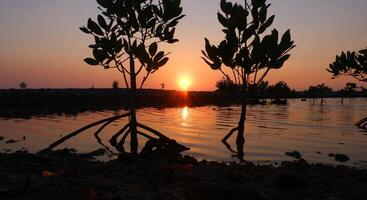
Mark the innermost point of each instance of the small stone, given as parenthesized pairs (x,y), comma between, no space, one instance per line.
(189,160)
(289,180)
(213,191)
(98,152)
(339,157)
(294,154)
(11,141)
(1,138)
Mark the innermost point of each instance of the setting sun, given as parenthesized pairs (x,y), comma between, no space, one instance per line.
(184,83)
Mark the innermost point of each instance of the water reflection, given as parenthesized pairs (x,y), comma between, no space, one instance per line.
(185,115)
(270,130)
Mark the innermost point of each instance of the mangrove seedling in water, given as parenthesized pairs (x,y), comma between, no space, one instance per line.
(127,35)
(248,51)
(352,64)
(319,91)
(23,85)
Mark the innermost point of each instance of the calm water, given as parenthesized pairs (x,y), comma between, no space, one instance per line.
(270,130)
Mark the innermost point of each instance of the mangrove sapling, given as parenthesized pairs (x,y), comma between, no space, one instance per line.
(248,51)
(353,64)
(127,35)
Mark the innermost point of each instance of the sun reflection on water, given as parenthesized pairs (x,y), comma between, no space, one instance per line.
(185,115)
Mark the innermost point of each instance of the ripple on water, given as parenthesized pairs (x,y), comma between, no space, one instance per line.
(270,130)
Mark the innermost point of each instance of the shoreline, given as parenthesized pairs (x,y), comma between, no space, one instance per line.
(63,174)
(40,102)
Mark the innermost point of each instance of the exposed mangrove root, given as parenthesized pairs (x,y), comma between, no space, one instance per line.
(362,123)
(118,139)
(145,135)
(162,137)
(240,141)
(77,132)
(113,140)
(224,140)
(228,146)
(99,140)
(120,146)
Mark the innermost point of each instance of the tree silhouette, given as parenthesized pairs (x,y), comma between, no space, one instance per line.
(247,50)
(127,36)
(226,85)
(319,91)
(115,85)
(278,91)
(352,64)
(23,85)
(348,91)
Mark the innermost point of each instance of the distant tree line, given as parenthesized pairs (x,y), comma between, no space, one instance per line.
(281,90)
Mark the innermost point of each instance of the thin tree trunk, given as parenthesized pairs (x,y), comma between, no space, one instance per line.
(240,141)
(241,123)
(133,121)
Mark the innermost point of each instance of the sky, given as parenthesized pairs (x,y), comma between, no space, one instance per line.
(40,43)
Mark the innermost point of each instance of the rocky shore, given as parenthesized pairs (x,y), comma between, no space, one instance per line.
(64,174)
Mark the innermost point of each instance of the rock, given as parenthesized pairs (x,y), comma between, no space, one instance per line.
(1,138)
(98,152)
(319,152)
(339,157)
(289,180)
(11,141)
(294,154)
(214,191)
(189,160)
(62,153)
(235,177)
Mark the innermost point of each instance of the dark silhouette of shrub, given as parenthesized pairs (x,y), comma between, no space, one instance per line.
(247,50)
(23,85)
(278,91)
(115,85)
(352,64)
(127,35)
(319,91)
(226,85)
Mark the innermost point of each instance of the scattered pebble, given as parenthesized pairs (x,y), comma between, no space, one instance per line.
(67,175)
(11,141)
(294,154)
(339,157)
(319,152)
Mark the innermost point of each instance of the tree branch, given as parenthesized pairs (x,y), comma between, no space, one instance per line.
(75,133)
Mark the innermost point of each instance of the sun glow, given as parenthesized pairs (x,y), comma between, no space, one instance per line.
(184,83)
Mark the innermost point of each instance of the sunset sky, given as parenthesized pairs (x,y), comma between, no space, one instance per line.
(42,45)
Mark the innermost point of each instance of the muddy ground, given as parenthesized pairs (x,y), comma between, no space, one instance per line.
(66,175)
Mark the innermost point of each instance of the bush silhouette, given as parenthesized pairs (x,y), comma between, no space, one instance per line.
(352,64)
(115,85)
(127,35)
(247,51)
(23,85)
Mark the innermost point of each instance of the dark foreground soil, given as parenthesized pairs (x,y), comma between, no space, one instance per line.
(65,175)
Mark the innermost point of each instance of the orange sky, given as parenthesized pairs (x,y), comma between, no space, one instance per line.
(41,43)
